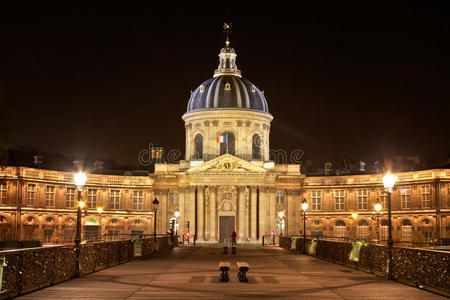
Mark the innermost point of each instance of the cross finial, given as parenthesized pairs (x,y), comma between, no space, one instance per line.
(227,30)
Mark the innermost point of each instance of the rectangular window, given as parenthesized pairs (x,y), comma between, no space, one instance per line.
(114,199)
(316,200)
(405,194)
(426,196)
(137,200)
(279,197)
(362,199)
(384,199)
(3,189)
(70,197)
(174,198)
(30,194)
(339,198)
(50,196)
(92,198)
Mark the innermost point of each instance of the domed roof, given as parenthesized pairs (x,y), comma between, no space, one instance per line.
(227,91)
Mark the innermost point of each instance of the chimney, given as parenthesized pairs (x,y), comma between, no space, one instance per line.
(328,168)
(78,165)
(98,165)
(38,159)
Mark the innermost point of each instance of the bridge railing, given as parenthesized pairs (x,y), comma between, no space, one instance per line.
(425,268)
(34,268)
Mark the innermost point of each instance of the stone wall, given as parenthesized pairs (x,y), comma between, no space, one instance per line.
(428,269)
(35,268)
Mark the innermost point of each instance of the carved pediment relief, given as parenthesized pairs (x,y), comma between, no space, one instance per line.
(227,198)
(227,163)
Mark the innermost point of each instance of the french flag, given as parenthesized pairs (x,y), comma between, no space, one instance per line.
(222,138)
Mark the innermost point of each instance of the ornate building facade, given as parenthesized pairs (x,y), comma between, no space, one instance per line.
(227,181)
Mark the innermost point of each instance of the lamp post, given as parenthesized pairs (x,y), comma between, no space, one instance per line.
(177,214)
(354,216)
(80,182)
(388,182)
(378,208)
(304,208)
(281,216)
(155,210)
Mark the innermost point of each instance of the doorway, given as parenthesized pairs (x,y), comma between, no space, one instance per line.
(225,228)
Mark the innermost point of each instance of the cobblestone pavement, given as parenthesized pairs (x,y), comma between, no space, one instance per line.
(192,273)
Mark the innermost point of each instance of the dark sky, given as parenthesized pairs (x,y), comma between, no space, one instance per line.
(359,82)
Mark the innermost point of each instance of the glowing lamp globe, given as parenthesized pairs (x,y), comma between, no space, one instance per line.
(389,181)
(378,206)
(281,214)
(304,205)
(80,179)
(81,204)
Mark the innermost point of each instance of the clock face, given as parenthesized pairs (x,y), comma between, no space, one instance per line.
(227,165)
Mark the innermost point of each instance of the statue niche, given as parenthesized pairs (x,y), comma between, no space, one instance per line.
(227,198)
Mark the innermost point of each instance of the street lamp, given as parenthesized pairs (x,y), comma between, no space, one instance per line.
(354,216)
(388,182)
(80,182)
(155,210)
(177,214)
(304,208)
(281,216)
(378,208)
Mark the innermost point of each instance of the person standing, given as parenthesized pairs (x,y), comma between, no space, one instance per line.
(233,238)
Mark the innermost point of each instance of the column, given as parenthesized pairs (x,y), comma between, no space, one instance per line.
(253,213)
(241,214)
(263,208)
(272,213)
(247,213)
(182,217)
(200,214)
(190,209)
(212,210)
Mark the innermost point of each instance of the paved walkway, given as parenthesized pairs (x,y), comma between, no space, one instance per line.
(192,273)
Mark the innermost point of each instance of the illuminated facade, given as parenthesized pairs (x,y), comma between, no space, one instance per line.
(226,182)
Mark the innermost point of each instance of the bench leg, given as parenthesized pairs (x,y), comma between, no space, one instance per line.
(224,276)
(242,275)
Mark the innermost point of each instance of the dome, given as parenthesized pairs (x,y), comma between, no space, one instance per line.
(227,91)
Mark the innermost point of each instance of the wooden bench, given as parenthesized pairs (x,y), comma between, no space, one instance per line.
(243,269)
(224,267)
(233,250)
(225,249)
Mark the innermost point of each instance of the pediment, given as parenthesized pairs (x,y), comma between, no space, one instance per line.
(227,163)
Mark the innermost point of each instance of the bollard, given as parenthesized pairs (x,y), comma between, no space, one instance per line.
(2,265)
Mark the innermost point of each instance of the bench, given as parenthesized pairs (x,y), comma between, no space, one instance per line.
(224,267)
(233,250)
(243,269)
(225,249)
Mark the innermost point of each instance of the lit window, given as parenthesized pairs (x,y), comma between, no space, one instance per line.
(114,199)
(316,223)
(137,200)
(92,198)
(316,200)
(70,197)
(405,194)
(426,199)
(50,196)
(279,197)
(384,199)
(3,189)
(174,197)
(339,198)
(227,87)
(362,199)
(202,88)
(30,194)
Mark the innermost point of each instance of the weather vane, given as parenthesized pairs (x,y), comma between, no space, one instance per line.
(227,30)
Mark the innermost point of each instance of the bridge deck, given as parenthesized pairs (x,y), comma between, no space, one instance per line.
(191,272)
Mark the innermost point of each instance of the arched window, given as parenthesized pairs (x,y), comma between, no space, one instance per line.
(228,145)
(407,231)
(256,147)
(363,229)
(339,229)
(198,146)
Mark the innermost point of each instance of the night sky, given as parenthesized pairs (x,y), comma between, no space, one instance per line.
(359,82)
